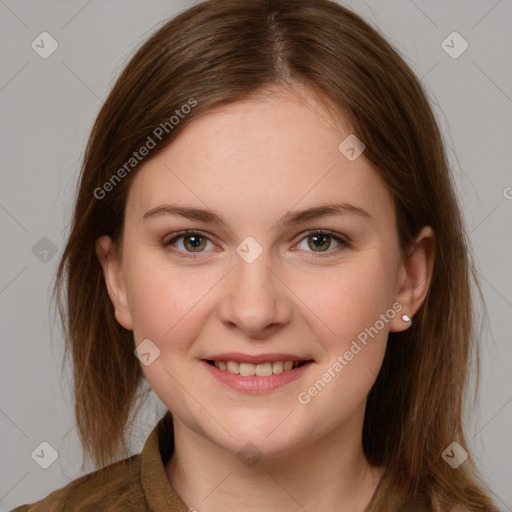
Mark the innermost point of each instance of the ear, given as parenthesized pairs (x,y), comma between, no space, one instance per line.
(414,278)
(114,279)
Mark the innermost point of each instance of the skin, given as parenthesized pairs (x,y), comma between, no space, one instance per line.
(252,162)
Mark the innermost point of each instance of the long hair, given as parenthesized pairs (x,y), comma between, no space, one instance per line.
(221,51)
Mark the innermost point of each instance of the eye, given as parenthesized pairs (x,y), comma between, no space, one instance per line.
(193,242)
(320,241)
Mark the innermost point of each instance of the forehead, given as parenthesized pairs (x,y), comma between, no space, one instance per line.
(258,158)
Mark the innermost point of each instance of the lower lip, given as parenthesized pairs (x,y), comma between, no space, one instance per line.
(254,384)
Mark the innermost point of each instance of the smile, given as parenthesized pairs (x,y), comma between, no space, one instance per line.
(257,378)
(265,369)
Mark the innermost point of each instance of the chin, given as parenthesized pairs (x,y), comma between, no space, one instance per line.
(265,437)
(252,448)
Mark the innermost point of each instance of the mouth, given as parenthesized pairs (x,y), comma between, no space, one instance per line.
(257,373)
(263,369)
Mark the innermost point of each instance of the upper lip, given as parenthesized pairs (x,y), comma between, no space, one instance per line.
(255,358)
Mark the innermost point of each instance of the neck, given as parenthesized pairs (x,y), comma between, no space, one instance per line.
(329,474)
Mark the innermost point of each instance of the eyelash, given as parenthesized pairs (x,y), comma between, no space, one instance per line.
(183,234)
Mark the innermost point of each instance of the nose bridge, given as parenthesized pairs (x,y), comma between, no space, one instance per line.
(256,298)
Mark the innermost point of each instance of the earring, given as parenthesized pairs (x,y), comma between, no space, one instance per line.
(405,318)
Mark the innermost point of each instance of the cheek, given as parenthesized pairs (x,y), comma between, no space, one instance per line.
(347,299)
(349,325)
(168,303)
(170,306)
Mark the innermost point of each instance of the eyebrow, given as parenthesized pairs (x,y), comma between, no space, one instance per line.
(289,218)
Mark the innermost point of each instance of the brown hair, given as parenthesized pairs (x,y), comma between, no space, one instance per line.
(221,51)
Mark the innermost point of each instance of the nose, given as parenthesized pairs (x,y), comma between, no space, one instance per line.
(256,300)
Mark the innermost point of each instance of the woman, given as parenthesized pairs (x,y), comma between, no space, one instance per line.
(266,231)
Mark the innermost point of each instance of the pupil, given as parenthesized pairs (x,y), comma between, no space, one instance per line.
(319,240)
(194,241)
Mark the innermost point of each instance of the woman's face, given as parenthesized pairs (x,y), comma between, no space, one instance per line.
(264,286)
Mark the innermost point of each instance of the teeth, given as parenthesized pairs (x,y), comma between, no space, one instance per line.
(247,369)
(260,370)
(263,370)
(233,367)
(277,367)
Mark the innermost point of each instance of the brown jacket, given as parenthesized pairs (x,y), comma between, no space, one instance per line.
(135,484)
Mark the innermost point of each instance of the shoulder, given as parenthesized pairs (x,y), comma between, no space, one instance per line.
(118,483)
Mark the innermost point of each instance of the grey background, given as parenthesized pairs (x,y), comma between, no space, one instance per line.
(47,108)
